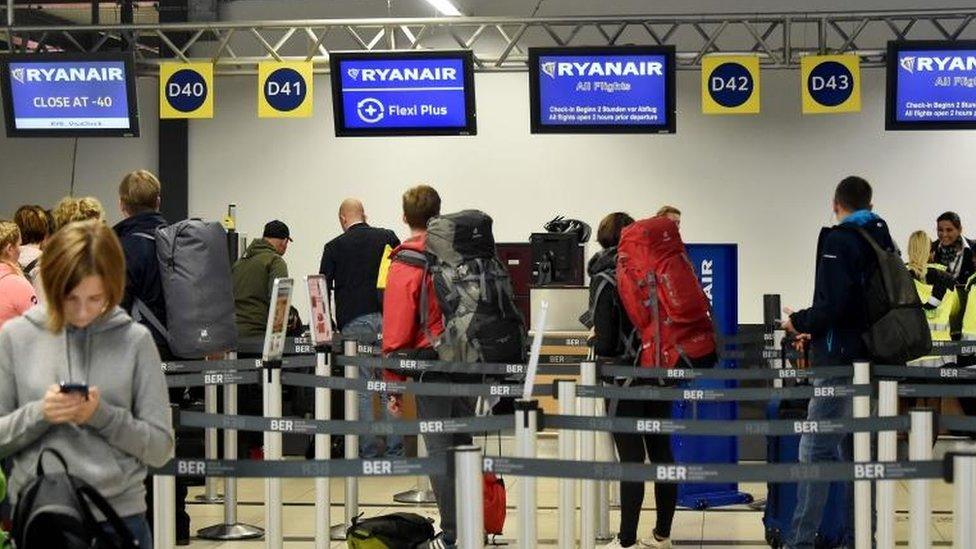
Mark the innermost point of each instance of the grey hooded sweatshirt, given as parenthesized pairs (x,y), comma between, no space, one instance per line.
(130,429)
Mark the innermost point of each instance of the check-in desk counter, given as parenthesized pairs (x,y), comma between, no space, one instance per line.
(564,342)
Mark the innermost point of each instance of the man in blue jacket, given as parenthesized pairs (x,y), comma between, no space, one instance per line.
(833,328)
(139,200)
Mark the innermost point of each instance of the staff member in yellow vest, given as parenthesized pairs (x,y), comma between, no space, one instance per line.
(936,289)
(968,405)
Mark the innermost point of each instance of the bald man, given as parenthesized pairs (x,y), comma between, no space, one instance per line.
(351,264)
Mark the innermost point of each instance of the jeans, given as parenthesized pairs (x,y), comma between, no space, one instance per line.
(818,448)
(368,329)
(438,445)
(138,526)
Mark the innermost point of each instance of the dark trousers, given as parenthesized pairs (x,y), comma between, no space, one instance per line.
(438,445)
(636,448)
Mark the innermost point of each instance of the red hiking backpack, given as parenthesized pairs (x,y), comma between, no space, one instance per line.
(661,294)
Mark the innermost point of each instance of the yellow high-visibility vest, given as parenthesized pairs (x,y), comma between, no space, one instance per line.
(939,319)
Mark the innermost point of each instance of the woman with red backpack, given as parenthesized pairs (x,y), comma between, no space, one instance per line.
(614,338)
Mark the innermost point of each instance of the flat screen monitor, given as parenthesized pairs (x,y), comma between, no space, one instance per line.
(931,85)
(628,89)
(403,93)
(69,95)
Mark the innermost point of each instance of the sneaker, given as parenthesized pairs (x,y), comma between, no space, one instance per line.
(654,543)
(438,543)
(615,544)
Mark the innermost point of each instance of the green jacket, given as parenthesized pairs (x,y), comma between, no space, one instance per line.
(254,276)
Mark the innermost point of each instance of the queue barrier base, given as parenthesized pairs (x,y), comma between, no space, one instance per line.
(230,532)
(416,497)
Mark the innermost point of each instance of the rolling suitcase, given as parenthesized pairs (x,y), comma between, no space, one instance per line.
(835,526)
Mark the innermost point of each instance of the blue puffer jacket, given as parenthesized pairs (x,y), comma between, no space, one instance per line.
(838,318)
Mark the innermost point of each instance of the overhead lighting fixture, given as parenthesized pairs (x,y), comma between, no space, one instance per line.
(445,7)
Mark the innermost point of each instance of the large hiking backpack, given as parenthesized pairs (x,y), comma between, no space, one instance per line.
(661,294)
(473,289)
(55,510)
(194,266)
(899,331)
(394,531)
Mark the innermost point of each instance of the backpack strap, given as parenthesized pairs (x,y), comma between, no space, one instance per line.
(141,311)
(87,494)
(145,236)
(30,266)
(879,252)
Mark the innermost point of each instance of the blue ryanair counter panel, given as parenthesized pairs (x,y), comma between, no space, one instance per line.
(717,267)
(414,93)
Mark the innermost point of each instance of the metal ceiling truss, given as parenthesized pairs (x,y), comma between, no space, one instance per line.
(501,44)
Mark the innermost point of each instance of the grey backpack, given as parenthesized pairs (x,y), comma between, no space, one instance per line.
(194,266)
(474,291)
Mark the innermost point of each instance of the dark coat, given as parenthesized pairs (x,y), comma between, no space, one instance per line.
(611,325)
(142,277)
(839,317)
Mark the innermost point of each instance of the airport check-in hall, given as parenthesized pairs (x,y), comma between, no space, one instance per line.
(434,274)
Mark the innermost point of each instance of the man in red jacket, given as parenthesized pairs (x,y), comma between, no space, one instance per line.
(403,335)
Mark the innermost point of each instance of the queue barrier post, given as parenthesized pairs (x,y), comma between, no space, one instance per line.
(863,534)
(526,439)
(210,494)
(469,487)
(274,534)
(230,529)
(605,451)
(588,492)
(887,451)
(323,445)
(164,512)
(920,510)
(964,499)
(351,405)
(164,502)
(566,395)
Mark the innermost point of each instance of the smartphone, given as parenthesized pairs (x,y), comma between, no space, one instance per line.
(80,388)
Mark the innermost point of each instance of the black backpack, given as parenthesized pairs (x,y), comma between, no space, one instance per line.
(394,531)
(55,510)
(474,291)
(899,331)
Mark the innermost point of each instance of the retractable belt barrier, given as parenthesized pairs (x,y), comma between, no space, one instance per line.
(935,391)
(215,377)
(337,427)
(410,387)
(304,469)
(553,468)
(726,428)
(825,372)
(922,372)
(197,366)
(722,395)
(574,423)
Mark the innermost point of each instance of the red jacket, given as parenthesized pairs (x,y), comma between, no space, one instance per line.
(401,305)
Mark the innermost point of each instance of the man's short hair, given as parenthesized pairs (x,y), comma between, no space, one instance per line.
(139,192)
(854,193)
(420,204)
(665,210)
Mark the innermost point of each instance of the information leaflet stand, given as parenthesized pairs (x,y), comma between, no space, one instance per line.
(320,326)
(274,348)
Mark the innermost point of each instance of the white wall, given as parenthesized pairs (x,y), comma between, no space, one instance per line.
(763,182)
(38,171)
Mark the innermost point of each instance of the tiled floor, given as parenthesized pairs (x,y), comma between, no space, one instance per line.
(738,526)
